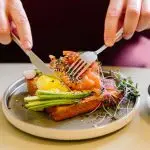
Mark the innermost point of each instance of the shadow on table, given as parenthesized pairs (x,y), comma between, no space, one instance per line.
(145,114)
(145,109)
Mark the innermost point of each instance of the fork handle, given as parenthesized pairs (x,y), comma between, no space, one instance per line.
(118,35)
(101,49)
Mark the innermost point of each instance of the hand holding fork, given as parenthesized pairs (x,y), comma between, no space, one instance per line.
(87,58)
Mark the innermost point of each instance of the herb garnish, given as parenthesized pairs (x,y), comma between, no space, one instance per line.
(126,85)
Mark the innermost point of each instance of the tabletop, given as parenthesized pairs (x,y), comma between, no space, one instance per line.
(135,136)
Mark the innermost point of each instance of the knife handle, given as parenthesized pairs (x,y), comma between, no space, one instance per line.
(35,60)
(17,41)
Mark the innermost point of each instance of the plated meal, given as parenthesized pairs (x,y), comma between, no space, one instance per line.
(69,97)
(61,107)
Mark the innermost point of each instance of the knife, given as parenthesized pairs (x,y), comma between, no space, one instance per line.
(35,60)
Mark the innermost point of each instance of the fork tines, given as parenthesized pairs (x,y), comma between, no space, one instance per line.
(76,67)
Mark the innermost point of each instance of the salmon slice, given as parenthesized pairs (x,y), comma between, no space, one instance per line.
(89,80)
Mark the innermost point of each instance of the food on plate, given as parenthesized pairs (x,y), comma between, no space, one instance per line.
(69,97)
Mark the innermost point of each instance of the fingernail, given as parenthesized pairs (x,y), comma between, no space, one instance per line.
(139,29)
(128,36)
(109,42)
(27,45)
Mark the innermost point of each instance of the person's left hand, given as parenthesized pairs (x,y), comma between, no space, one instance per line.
(133,15)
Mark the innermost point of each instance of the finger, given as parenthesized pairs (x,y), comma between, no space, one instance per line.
(4,25)
(144,22)
(13,28)
(112,21)
(131,17)
(20,19)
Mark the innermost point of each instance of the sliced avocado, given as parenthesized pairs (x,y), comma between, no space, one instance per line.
(62,95)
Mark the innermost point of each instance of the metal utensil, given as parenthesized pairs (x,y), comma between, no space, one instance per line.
(87,58)
(148,98)
(34,58)
(149,89)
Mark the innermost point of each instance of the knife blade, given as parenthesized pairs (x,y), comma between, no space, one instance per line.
(40,64)
(35,60)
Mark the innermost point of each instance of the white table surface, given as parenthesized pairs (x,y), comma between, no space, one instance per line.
(135,136)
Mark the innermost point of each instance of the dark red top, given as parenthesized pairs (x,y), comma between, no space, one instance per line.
(76,24)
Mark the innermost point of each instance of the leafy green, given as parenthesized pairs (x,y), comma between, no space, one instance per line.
(126,85)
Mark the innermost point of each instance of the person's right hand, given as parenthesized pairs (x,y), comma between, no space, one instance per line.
(13,16)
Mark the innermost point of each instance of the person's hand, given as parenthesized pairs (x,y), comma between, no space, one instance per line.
(132,15)
(12,15)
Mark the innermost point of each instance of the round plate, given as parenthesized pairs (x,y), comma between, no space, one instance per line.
(95,124)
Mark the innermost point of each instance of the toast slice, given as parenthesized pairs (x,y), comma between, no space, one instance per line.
(88,104)
(31,85)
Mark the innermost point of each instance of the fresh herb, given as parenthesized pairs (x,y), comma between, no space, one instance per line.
(126,85)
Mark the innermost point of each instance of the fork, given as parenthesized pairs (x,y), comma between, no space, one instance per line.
(87,58)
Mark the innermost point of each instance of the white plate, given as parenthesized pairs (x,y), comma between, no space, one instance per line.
(39,124)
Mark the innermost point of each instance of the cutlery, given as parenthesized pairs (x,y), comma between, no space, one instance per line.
(148,99)
(35,60)
(87,58)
